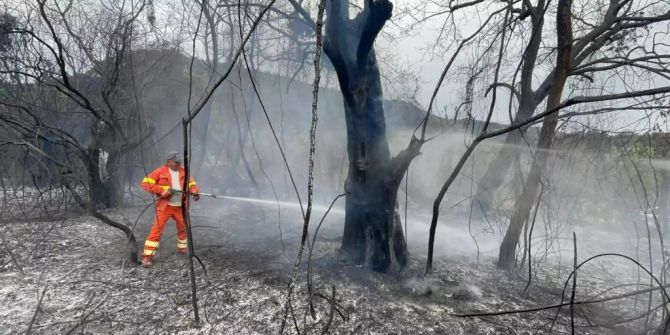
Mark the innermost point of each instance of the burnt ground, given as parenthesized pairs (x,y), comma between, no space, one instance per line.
(77,280)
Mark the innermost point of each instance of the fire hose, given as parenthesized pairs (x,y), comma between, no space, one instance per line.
(204,194)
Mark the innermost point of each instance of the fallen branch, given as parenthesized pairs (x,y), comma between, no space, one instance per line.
(16,263)
(338,307)
(107,220)
(660,287)
(548,307)
(311,247)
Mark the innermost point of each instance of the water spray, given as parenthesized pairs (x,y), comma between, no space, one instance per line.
(265,201)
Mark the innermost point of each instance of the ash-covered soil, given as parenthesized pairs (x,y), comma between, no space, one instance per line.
(77,279)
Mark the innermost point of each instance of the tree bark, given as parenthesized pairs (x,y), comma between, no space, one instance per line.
(104,192)
(371,218)
(372,229)
(507,256)
(105,176)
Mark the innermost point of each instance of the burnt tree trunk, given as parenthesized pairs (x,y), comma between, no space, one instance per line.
(507,256)
(102,159)
(372,229)
(105,186)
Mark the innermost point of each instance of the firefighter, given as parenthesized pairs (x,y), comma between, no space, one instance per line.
(166,183)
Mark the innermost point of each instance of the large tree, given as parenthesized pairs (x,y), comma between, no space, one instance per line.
(507,258)
(611,46)
(372,229)
(608,41)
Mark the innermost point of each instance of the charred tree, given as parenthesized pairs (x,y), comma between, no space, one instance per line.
(99,94)
(99,190)
(507,257)
(372,229)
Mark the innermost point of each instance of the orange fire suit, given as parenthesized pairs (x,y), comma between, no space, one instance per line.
(159,182)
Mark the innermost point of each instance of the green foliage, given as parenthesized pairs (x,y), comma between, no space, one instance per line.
(653,145)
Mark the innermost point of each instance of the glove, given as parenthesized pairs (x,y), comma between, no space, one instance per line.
(196,196)
(167,193)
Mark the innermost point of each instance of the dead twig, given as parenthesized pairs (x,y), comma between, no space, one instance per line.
(548,307)
(11,255)
(104,218)
(331,313)
(530,239)
(37,309)
(660,287)
(574,285)
(558,307)
(87,314)
(311,247)
(312,150)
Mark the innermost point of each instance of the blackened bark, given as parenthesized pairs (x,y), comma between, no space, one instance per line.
(105,182)
(46,168)
(372,234)
(507,256)
(105,176)
(372,230)
(103,192)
